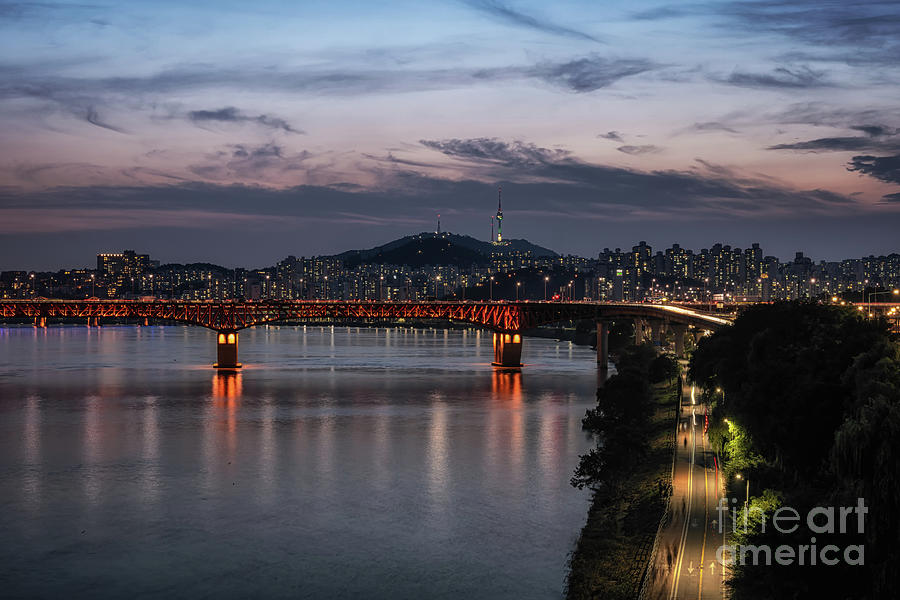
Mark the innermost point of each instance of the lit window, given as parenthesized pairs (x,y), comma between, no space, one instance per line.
(221,338)
(230,338)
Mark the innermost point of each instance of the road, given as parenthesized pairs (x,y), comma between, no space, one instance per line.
(685,564)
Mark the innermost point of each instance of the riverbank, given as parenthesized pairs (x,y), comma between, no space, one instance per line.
(614,547)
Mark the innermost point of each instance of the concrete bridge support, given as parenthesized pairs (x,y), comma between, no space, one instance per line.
(656,328)
(227,350)
(507,349)
(640,331)
(603,345)
(679,330)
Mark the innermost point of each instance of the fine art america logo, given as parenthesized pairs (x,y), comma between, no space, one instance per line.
(821,520)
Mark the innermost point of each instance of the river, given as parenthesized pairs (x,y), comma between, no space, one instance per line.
(338,463)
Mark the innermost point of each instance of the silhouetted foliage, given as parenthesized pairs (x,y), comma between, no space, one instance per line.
(663,368)
(812,397)
(624,407)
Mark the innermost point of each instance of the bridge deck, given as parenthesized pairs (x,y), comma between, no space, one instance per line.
(236,315)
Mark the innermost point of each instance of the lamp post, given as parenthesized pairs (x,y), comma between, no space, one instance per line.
(326,287)
(492,288)
(31,285)
(152,289)
(518,284)
(546,279)
(94,285)
(747,498)
(868,303)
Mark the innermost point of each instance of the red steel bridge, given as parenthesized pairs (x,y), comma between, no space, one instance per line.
(508,320)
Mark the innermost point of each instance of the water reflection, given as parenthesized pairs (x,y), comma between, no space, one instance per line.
(396,455)
(32,438)
(506,384)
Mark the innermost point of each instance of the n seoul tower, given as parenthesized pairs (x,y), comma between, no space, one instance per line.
(499,214)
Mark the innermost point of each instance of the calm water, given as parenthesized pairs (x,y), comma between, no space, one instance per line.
(340,463)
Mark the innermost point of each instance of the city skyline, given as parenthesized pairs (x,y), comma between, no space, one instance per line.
(183,129)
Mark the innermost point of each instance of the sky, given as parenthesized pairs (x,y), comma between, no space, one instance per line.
(239,133)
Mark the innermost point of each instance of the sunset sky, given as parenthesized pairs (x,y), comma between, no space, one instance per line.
(239,133)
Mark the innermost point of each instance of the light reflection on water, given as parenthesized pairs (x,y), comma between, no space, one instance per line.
(340,463)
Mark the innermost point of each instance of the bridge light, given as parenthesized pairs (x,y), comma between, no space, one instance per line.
(230,338)
(506,339)
(517,338)
(221,338)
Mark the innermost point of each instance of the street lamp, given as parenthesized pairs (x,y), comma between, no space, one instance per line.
(518,284)
(546,279)
(492,288)
(747,499)
(94,285)
(32,284)
(869,303)
(326,287)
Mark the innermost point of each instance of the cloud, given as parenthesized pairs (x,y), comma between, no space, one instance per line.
(711,126)
(612,135)
(891,197)
(822,114)
(249,162)
(230,114)
(591,73)
(837,144)
(857,33)
(779,78)
(503,12)
(92,116)
(569,184)
(883,168)
(638,150)
(75,94)
(875,130)
(516,153)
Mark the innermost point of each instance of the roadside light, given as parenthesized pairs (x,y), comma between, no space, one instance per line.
(739,476)
(897,292)
(834,298)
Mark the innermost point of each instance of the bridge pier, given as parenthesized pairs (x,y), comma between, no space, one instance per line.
(603,345)
(227,350)
(507,349)
(640,331)
(679,330)
(656,330)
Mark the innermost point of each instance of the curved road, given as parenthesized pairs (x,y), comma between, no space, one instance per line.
(685,564)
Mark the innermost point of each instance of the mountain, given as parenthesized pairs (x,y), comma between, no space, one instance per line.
(438,249)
